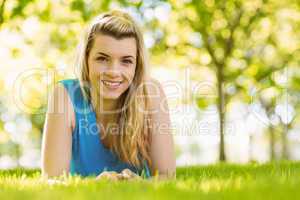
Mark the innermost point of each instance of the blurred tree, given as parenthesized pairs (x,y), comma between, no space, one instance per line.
(238,41)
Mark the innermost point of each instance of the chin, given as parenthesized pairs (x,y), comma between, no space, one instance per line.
(111,96)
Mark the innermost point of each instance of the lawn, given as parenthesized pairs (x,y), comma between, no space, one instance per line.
(278,180)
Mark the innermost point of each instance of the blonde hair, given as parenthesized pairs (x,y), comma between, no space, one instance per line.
(133,139)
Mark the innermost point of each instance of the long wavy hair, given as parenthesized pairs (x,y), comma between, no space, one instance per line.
(132,143)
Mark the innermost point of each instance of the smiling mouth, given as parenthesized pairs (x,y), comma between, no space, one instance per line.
(112,84)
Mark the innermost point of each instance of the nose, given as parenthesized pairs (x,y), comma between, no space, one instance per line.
(113,70)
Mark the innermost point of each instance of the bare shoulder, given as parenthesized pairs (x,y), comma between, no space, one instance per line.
(56,101)
(154,86)
(59,103)
(156,93)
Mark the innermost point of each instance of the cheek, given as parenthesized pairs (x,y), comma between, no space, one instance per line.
(131,72)
(130,75)
(94,70)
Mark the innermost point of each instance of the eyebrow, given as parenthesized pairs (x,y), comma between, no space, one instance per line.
(106,55)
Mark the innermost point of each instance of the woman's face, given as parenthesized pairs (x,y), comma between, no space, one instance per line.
(112,64)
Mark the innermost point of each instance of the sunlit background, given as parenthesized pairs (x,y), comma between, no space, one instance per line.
(235,62)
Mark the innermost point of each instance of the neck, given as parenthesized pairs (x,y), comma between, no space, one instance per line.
(106,109)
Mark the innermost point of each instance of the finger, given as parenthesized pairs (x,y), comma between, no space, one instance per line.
(105,174)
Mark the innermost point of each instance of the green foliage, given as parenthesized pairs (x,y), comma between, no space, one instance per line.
(19,8)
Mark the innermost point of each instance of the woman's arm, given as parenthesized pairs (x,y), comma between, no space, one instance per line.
(57,133)
(162,145)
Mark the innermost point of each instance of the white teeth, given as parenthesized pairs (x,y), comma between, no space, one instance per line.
(108,83)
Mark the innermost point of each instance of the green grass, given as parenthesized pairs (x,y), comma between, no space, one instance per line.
(221,181)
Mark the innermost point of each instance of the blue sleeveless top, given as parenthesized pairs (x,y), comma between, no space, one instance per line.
(89,156)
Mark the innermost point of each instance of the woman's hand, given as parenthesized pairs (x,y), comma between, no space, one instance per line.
(110,175)
(126,174)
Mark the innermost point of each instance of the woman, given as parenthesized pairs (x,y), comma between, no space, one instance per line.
(113,118)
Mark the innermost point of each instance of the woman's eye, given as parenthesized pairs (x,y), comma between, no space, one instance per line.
(127,61)
(101,58)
